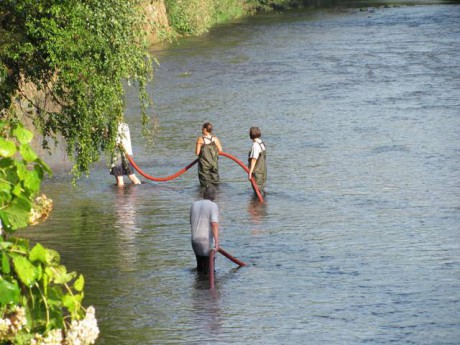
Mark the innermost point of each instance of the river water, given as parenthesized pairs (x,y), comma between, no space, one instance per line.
(358,240)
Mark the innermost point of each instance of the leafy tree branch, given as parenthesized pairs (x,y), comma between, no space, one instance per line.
(76,55)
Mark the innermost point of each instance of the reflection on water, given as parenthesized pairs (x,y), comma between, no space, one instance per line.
(257,212)
(358,239)
(126,226)
(207,308)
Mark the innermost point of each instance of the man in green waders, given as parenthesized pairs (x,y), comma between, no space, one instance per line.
(207,149)
(257,160)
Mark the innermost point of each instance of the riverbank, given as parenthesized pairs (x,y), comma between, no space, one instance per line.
(168,19)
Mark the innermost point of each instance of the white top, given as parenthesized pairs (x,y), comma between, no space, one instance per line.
(257,147)
(202,214)
(124,138)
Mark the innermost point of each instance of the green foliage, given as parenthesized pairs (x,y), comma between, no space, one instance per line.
(267,5)
(183,18)
(39,300)
(77,54)
(193,17)
(33,281)
(226,10)
(21,172)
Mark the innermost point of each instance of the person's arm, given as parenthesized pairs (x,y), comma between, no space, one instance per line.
(199,143)
(219,146)
(251,167)
(215,234)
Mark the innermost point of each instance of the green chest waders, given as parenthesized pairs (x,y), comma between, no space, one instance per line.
(260,170)
(208,170)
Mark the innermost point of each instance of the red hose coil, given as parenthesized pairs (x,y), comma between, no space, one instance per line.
(161,179)
(180,172)
(241,164)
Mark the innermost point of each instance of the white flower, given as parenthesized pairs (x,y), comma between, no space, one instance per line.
(54,337)
(83,332)
(14,322)
(5,325)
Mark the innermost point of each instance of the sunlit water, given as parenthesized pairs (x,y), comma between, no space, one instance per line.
(358,241)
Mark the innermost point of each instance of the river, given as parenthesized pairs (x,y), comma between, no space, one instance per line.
(358,240)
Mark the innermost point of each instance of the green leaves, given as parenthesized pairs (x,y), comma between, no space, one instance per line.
(7,148)
(25,270)
(79,283)
(78,53)
(34,287)
(9,292)
(59,274)
(6,268)
(20,179)
(27,153)
(23,135)
(16,214)
(51,294)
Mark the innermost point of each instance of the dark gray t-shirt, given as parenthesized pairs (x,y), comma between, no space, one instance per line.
(202,214)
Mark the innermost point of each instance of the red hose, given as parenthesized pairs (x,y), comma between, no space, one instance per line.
(212,253)
(180,172)
(254,184)
(228,256)
(160,179)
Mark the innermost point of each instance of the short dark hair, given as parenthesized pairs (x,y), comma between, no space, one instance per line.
(254,132)
(209,192)
(208,126)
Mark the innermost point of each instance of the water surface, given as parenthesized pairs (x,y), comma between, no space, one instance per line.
(358,240)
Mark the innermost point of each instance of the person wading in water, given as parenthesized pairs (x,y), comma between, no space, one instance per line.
(204,223)
(257,160)
(207,149)
(120,165)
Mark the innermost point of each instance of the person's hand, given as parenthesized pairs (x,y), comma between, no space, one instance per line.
(249,176)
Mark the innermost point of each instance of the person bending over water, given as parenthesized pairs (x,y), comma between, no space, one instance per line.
(207,149)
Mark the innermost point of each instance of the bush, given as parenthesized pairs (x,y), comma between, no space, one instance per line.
(40,302)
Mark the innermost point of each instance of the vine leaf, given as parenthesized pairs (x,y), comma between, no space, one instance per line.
(7,148)
(27,153)
(24,136)
(9,292)
(72,302)
(17,214)
(61,276)
(79,283)
(6,268)
(52,257)
(38,253)
(25,270)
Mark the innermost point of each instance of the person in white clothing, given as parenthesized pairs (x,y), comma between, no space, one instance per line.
(120,164)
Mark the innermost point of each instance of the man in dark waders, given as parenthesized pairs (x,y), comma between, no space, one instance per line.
(204,223)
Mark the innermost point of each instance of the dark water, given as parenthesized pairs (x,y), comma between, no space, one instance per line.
(358,241)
